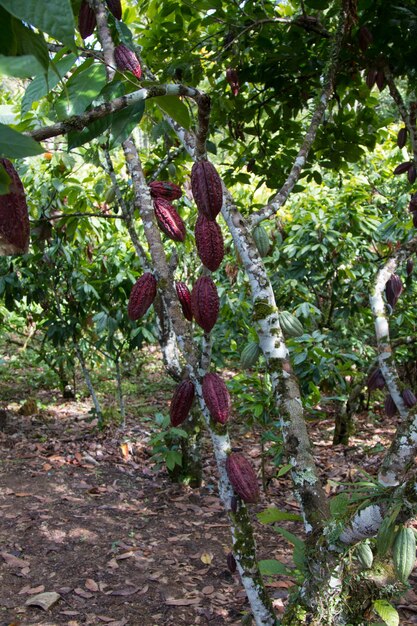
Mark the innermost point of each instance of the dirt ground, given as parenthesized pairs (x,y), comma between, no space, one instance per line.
(85,516)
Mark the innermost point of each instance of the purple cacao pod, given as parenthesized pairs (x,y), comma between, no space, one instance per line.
(126,60)
(231,562)
(209,242)
(233,80)
(205,303)
(380,79)
(207,189)
(115,8)
(376,380)
(393,289)
(409,398)
(217,397)
(402,168)
(365,38)
(168,219)
(410,266)
(413,202)
(402,137)
(242,477)
(181,402)
(414,215)
(371,77)
(412,174)
(86,20)
(233,504)
(184,296)
(165,189)
(389,406)
(142,295)
(14,216)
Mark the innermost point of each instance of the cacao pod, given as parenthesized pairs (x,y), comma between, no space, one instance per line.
(168,219)
(115,8)
(393,289)
(402,137)
(412,174)
(86,20)
(404,553)
(409,398)
(371,77)
(14,216)
(365,38)
(126,59)
(209,242)
(402,168)
(414,214)
(291,326)
(184,297)
(206,186)
(242,477)
(142,295)
(365,555)
(233,80)
(376,380)
(217,397)
(231,562)
(413,202)
(205,303)
(165,189)
(389,406)
(380,80)
(233,504)
(250,354)
(261,239)
(409,267)
(181,402)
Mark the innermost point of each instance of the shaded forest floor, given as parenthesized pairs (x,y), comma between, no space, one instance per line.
(89,516)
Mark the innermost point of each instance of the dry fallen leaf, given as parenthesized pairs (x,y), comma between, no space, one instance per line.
(182,601)
(84,594)
(91,585)
(127,591)
(14,561)
(206,557)
(44,600)
(208,590)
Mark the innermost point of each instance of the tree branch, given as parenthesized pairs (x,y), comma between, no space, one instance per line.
(396,96)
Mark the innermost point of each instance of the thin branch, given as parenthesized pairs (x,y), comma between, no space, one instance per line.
(110,216)
(396,96)
(171,156)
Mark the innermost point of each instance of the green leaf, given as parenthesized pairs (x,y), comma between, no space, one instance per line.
(54,17)
(284,470)
(272,567)
(30,42)
(81,89)
(23,66)
(173,458)
(4,181)
(14,145)
(175,108)
(387,612)
(339,504)
(42,84)
(271,515)
(298,543)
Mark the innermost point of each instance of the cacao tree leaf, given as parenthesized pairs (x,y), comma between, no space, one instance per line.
(175,108)
(23,66)
(124,121)
(14,145)
(272,567)
(54,17)
(8,44)
(290,537)
(42,84)
(30,42)
(4,182)
(386,612)
(81,89)
(272,514)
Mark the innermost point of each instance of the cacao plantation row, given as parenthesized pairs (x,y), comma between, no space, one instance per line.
(117,120)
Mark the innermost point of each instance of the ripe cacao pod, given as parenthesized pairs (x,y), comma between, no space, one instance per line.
(402,168)
(380,79)
(402,137)
(168,219)
(365,38)
(231,562)
(233,504)
(261,239)
(184,296)
(291,326)
(181,402)
(409,398)
(412,174)
(207,189)
(14,216)
(404,553)
(205,303)
(217,397)
(409,267)
(250,354)
(242,477)
(365,555)
(115,8)
(165,189)
(371,77)
(393,289)
(209,242)
(413,202)
(414,214)
(126,59)
(86,20)
(142,295)
(376,380)
(233,80)
(389,406)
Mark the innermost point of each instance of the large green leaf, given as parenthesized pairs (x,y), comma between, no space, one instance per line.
(14,145)
(54,17)
(30,42)
(272,567)
(23,66)
(387,612)
(81,89)
(42,84)
(175,108)
(271,515)
(8,44)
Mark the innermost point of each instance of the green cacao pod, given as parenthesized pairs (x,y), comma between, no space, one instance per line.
(250,354)
(291,326)
(261,239)
(142,295)
(14,217)
(404,553)
(364,555)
